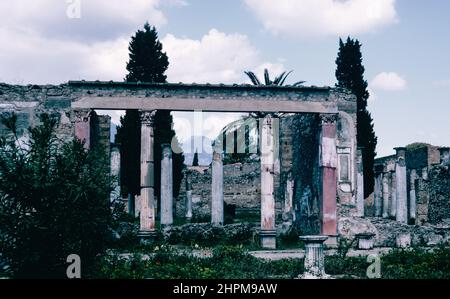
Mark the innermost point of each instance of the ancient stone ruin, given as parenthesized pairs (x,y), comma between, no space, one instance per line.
(307,174)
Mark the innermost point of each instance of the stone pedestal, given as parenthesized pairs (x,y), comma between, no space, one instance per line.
(328,164)
(359,182)
(217,208)
(314,257)
(365,241)
(267,235)
(147,199)
(166,185)
(401,183)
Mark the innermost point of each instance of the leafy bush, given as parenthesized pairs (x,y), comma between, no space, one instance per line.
(227,262)
(54,201)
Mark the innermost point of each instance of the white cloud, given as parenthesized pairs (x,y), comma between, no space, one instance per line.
(216,58)
(28,58)
(388,81)
(40,44)
(324,17)
(99,20)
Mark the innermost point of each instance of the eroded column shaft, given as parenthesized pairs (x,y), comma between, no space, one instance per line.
(217,209)
(328,164)
(166,185)
(147,199)
(268,233)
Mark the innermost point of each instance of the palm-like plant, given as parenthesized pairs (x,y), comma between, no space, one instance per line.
(278,81)
(237,125)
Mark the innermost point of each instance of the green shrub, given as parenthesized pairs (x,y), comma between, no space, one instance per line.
(54,201)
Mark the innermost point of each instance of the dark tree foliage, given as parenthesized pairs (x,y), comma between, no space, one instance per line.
(147,63)
(128,137)
(54,201)
(195,160)
(350,75)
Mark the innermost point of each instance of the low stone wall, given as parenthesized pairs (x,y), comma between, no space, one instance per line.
(241,188)
(390,233)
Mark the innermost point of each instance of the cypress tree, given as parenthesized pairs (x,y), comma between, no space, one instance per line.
(147,63)
(195,159)
(350,75)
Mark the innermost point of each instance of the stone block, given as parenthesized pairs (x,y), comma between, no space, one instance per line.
(57,103)
(403,240)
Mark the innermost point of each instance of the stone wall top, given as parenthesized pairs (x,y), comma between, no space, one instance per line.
(185,97)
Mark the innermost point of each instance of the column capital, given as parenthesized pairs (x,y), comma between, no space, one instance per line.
(147,117)
(328,118)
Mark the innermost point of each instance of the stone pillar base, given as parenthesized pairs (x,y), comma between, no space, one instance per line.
(268,239)
(147,237)
(314,257)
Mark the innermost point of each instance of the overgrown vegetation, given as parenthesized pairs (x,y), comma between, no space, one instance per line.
(234,262)
(226,262)
(54,201)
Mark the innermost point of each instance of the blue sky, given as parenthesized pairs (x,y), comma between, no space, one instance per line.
(406,47)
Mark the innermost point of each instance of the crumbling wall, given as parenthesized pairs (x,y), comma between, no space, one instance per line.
(241,186)
(439,194)
(29,102)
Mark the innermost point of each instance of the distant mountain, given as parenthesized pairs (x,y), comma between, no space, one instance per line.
(203,146)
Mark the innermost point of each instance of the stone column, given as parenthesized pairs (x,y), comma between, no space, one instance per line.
(412,194)
(393,194)
(166,185)
(147,197)
(314,257)
(217,209)
(328,188)
(386,194)
(188,196)
(401,189)
(289,198)
(268,232)
(359,182)
(378,192)
(444,155)
(82,126)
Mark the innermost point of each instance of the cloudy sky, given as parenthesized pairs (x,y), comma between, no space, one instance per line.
(406,46)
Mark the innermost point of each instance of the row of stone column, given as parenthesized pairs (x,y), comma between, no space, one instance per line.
(395,189)
(328,164)
(390,191)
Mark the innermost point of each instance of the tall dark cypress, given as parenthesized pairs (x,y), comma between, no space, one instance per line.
(350,75)
(195,160)
(147,63)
